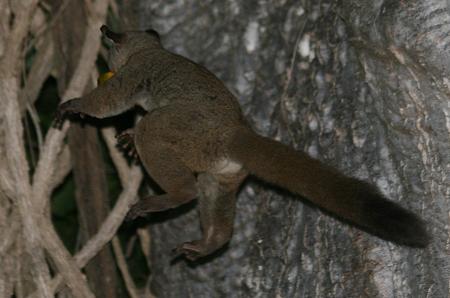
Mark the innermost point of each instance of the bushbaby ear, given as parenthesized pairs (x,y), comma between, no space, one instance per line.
(115,37)
(153,33)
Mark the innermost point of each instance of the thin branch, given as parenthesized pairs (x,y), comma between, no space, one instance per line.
(62,170)
(18,285)
(39,18)
(123,267)
(64,261)
(17,182)
(35,120)
(54,138)
(12,131)
(145,240)
(109,227)
(11,233)
(11,279)
(40,70)
(47,26)
(23,12)
(123,170)
(29,143)
(130,245)
(14,148)
(47,165)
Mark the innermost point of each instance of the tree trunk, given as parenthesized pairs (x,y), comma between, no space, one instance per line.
(357,84)
(93,204)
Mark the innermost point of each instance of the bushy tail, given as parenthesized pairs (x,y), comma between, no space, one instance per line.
(351,199)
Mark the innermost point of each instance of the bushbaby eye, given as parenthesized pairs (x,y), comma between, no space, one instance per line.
(153,33)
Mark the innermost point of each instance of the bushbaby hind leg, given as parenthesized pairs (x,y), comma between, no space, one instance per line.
(168,141)
(217,204)
(172,176)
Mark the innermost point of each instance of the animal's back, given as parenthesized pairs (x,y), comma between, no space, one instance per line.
(175,78)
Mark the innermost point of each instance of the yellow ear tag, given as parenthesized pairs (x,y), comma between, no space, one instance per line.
(104,77)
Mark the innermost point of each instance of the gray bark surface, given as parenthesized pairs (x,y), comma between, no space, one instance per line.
(361,85)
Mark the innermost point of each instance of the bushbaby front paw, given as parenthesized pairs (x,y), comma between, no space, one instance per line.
(65,109)
(125,140)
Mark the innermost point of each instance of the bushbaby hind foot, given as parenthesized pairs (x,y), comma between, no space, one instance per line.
(135,212)
(190,250)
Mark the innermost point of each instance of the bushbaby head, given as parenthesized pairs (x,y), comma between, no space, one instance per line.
(125,44)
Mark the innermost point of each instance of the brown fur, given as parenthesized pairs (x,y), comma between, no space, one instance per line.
(195,143)
(351,199)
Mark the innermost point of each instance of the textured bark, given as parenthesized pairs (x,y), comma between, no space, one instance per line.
(361,85)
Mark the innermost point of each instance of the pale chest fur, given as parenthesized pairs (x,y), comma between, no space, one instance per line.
(226,166)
